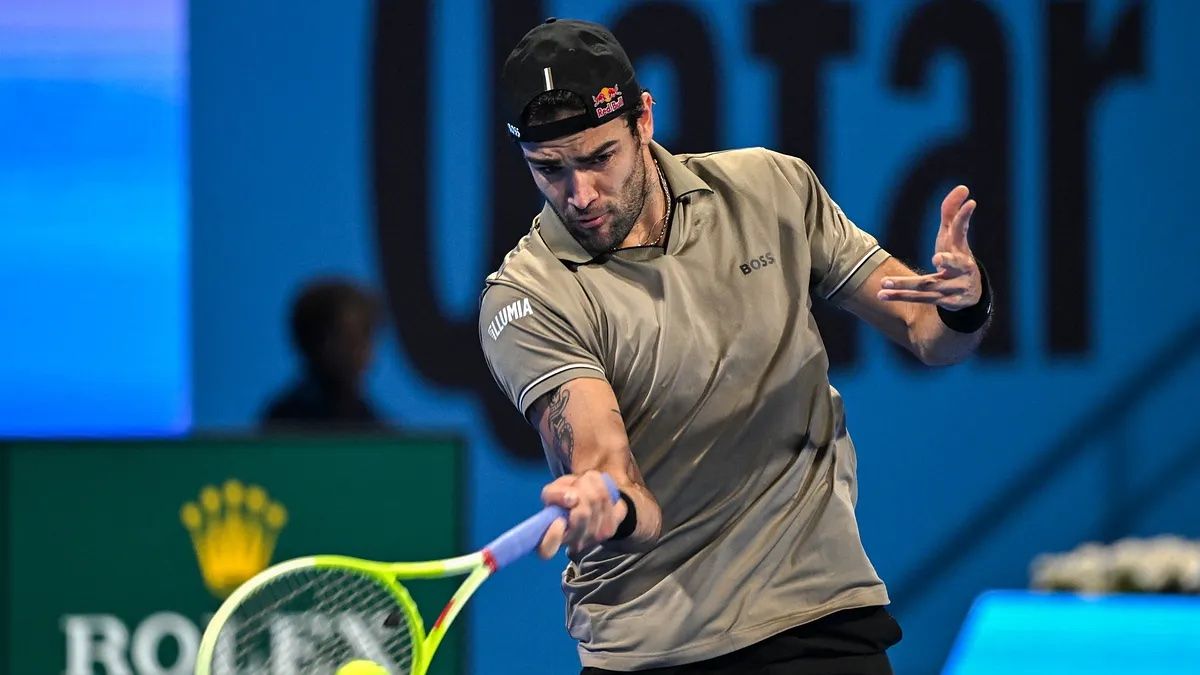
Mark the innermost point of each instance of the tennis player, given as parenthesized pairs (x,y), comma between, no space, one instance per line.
(655,324)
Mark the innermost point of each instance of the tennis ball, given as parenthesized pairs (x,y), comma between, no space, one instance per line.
(361,667)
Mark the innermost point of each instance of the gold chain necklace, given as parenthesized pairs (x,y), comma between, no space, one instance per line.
(662,182)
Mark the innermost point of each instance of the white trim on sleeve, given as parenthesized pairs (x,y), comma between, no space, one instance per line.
(853,271)
(543,378)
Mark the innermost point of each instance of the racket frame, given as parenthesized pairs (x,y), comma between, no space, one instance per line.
(477,567)
(502,551)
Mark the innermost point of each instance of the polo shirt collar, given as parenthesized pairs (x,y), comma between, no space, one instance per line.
(681,181)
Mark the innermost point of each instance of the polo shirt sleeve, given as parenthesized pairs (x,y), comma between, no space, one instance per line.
(842,255)
(532,347)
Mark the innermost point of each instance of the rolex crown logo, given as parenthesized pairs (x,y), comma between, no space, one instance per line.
(233,530)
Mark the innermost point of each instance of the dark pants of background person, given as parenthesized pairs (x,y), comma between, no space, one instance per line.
(850,642)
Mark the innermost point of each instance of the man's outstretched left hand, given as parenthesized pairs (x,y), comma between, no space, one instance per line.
(957,283)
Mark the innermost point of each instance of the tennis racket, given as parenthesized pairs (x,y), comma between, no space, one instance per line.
(316,615)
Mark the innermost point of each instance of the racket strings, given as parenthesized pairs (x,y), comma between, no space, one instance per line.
(371,613)
(313,621)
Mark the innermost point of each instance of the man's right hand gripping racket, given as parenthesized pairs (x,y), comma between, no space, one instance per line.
(357,617)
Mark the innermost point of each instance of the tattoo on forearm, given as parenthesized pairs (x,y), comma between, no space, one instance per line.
(563,437)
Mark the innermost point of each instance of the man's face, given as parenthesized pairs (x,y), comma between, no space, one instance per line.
(595,180)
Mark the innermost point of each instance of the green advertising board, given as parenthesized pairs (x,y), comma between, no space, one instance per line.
(116,553)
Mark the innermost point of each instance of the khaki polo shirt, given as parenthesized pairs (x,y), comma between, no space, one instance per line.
(721,376)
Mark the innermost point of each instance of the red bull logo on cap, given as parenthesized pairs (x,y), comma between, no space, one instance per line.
(608,100)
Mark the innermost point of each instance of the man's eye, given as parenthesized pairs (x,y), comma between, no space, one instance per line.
(547,170)
(596,161)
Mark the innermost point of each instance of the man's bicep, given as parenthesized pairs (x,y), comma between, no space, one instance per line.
(581,429)
(532,347)
(890,318)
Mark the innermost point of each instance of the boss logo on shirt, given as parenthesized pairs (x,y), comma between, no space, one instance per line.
(507,314)
(758,263)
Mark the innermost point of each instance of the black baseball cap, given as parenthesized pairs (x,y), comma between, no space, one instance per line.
(581,57)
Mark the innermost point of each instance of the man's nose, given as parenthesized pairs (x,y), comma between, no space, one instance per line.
(581,190)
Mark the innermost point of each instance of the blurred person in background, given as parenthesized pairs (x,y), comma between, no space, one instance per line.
(333,325)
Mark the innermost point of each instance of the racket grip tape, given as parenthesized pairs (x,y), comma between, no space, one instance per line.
(524,538)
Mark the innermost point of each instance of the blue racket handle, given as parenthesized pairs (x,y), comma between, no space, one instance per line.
(524,538)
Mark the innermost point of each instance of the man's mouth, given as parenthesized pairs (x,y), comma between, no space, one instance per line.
(592,222)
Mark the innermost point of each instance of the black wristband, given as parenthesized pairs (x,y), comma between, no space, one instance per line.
(627,526)
(970,319)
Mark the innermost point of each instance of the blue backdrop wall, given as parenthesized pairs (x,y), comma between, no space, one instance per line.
(361,138)
(94,326)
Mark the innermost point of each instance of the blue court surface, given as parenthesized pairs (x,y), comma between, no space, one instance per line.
(1033,633)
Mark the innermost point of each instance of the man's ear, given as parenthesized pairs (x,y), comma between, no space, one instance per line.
(645,121)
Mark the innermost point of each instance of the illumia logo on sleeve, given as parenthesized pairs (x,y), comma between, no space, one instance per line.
(507,314)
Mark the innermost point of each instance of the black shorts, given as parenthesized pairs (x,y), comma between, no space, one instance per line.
(850,642)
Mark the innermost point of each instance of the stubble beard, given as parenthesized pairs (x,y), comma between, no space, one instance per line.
(632,201)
